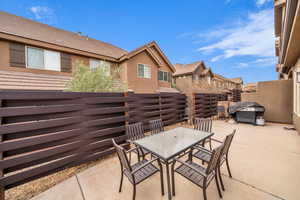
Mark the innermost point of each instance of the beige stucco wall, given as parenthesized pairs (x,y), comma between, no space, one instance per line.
(296,122)
(276,97)
(144,85)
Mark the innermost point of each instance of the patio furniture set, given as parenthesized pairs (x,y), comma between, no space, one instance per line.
(177,149)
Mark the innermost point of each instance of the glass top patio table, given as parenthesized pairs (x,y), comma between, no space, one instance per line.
(170,143)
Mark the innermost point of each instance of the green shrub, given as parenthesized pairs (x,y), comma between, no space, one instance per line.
(100,79)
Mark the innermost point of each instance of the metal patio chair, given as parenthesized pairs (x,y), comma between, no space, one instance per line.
(203,124)
(156,126)
(134,132)
(138,172)
(205,155)
(198,174)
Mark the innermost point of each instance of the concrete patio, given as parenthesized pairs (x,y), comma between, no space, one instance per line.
(265,163)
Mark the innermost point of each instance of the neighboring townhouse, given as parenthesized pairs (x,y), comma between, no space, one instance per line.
(196,75)
(238,82)
(193,75)
(222,83)
(250,88)
(38,56)
(287,46)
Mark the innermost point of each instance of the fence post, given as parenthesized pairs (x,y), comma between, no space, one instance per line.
(126,104)
(1,157)
(159,103)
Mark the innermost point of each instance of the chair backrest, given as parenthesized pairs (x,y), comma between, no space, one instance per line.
(156,126)
(214,159)
(203,124)
(135,131)
(227,142)
(122,156)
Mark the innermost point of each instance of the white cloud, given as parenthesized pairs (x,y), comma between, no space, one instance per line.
(261,2)
(43,13)
(252,37)
(260,62)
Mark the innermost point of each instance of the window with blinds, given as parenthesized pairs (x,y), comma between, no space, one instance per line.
(95,64)
(143,71)
(37,58)
(164,76)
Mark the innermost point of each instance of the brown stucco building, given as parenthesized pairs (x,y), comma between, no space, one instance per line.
(199,77)
(196,77)
(287,46)
(38,56)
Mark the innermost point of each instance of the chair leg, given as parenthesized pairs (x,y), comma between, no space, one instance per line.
(217,183)
(220,177)
(121,182)
(204,194)
(228,169)
(134,192)
(210,147)
(130,157)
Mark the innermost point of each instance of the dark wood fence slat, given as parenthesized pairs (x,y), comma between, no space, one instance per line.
(35,110)
(34,140)
(36,125)
(96,100)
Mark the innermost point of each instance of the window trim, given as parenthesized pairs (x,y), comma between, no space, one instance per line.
(44,63)
(164,76)
(26,58)
(98,60)
(137,67)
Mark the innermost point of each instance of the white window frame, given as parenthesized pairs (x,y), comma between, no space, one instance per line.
(100,62)
(44,59)
(164,76)
(144,65)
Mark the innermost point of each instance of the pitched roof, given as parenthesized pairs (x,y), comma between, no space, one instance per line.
(206,71)
(238,80)
(182,69)
(19,26)
(147,48)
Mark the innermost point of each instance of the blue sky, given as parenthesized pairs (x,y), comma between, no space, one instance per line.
(233,37)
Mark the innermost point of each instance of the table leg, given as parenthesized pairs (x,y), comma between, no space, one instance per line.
(168,181)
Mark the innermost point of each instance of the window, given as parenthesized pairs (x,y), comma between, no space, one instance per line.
(144,71)
(42,59)
(164,76)
(94,64)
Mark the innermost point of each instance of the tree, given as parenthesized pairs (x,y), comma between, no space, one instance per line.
(100,79)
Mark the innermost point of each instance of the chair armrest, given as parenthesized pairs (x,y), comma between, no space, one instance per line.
(203,149)
(130,141)
(192,167)
(144,165)
(215,140)
(132,149)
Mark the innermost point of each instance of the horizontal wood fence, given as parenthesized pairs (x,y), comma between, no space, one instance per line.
(170,107)
(205,105)
(42,132)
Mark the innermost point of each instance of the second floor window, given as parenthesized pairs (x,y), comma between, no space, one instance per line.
(37,58)
(94,64)
(144,71)
(164,76)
